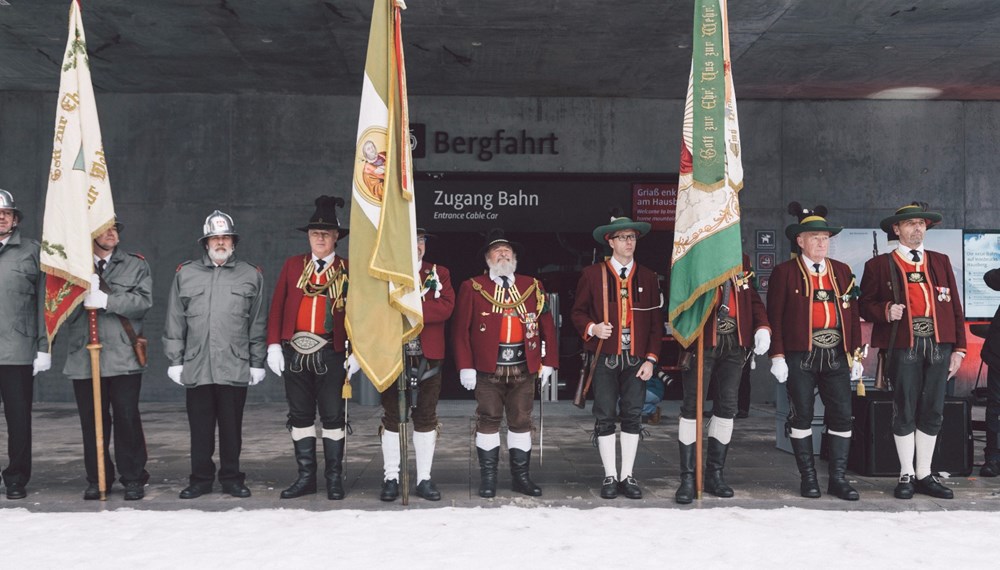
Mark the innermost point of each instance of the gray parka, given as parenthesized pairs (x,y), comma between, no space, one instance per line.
(22,302)
(216,322)
(131,284)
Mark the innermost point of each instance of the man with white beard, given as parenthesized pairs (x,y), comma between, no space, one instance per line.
(215,341)
(500,322)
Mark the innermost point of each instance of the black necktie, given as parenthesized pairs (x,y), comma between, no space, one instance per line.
(816,267)
(320,264)
(916,255)
(624,273)
(101,265)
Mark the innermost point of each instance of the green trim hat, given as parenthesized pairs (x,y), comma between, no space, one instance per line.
(908,212)
(811,224)
(619,223)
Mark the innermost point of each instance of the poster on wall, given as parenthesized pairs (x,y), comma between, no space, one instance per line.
(655,203)
(855,246)
(982,253)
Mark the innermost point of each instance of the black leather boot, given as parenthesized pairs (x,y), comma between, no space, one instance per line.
(803,450)
(520,464)
(305,456)
(333,452)
(838,486)
(685,493)
(716,461)
(488,461)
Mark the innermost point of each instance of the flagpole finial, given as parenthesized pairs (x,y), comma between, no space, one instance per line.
(401,4)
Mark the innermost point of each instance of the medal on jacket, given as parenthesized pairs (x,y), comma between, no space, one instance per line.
(530,322)
(944,294)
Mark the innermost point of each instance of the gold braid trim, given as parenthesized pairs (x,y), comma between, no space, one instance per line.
(335,284)
(517,302)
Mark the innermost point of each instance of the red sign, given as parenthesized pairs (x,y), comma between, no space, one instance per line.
(656,204)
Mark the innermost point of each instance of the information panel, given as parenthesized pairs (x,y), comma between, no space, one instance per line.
(982,253)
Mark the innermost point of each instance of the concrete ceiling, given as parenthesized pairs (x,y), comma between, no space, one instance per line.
(782,49)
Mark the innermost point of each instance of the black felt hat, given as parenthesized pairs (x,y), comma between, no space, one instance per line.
(496,237)
(325,216)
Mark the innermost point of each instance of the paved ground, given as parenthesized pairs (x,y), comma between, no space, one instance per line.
(570,473)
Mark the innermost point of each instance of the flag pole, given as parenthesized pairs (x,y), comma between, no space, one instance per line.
(404,475)
(699,482)
(95,368)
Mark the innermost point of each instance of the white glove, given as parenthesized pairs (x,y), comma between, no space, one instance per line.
(352,366)
(468,378)
(779,368)
(761,341)
(545,374)
(174,373)
(95,298)
(857,369)
(256,376)
(43,361)
(275,359)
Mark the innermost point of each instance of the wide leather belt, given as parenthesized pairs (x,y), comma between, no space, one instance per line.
(727,325)
(307,343)
(827,338)
(511,354)
(923,327)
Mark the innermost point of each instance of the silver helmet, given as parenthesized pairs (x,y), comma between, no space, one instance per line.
(7,203)
(219,223)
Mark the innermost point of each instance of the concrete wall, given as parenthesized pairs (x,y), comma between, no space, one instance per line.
(173,158)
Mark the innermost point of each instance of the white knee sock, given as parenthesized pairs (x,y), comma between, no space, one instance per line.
(846,434)
(302,433)
(487,441)
(687,431)
(630,445)
(801,433)
(423,446)
(925,452)
(520,441)
(606,445)
(390,454)
(334,434)
(721,429)
(905,449)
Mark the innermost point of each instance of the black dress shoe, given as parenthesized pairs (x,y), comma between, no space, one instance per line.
(390,490)
(92,493)
(427,490)
(236,489)
(195,490)
(630,488)
(904,489)
(931,485)
(609,489)
(990,469)
(16,491)
(134,491)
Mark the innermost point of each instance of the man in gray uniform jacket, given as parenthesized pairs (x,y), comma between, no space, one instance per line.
(122,292)
(24,348)
(215,340)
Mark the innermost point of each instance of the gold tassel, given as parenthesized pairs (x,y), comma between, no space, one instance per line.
(346,393)
(861,389)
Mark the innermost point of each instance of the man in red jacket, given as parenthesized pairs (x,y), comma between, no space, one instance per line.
(629,333)
(929,344)
(816,334)
(737,326)
(424,356)
(306,346)
(501,321)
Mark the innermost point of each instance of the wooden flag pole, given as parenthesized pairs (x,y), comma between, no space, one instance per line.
(699,481)
(95,368)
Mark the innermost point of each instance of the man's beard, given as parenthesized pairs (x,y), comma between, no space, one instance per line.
(503,267)
(220,256)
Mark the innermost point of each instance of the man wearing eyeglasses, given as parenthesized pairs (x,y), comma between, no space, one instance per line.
(618,313)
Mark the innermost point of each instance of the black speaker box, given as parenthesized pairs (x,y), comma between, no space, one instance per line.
(873,448)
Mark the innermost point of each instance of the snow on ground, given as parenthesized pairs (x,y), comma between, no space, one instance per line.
(480,538)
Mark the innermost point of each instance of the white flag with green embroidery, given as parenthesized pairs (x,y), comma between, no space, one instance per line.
(78,203)
(707,244)
(383,300)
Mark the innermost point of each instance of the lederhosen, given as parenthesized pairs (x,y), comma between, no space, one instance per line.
(618,392)
(921,371)
(314,371)
(510,389)
(424,387)
(824,366)
(723,366)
